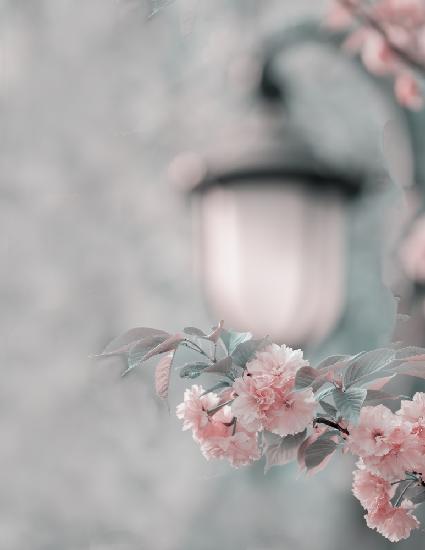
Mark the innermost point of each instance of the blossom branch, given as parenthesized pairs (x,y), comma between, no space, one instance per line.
(363,17)
(331,424)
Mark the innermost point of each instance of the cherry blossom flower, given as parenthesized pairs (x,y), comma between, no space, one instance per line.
(371,436)
(193,410)
(384,441)
(404,455)
(413,410)
(227,425)
(393,523)
(239,448)
(390,37)
(217,433)
(372,491)
(265,393)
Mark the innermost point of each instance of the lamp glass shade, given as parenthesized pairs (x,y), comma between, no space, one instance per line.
(273,259)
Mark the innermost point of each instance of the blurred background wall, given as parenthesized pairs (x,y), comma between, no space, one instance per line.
(96,97)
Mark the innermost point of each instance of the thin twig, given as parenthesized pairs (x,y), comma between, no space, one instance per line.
(212,411)
(331,424)
(194,347)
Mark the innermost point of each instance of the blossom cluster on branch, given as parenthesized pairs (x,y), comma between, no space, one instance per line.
(390,37)
(266,400)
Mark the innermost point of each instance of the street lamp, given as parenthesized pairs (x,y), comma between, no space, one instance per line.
(272,223)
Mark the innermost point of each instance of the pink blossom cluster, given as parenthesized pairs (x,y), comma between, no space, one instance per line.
(213,427)
(263,398)
(391,451)
(269,402)
(390,37)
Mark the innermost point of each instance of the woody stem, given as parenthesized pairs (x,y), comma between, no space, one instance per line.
(331,424)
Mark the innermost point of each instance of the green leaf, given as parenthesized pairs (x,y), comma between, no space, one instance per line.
(220,385)
(139,349)
(246,351)
(331,361)
(408,361)
(328,408)
(281,450)
(225,366)
(305,377)
(409,352)
(349,403)
(367,366)
(193,370)
(232,339)
(125,342)
(418,498)
(324,392)
(194,331)
(207,346)
(214,335)
(169,344)
(316,453)
(374,397)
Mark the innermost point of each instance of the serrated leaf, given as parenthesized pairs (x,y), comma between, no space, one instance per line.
(232,339)
(246,351)
(134,359)
(162,374)
(367,366)
(214,335)
(281,450)
(328,408)
(193,370)
(305,377)
(139,349)
(413,367)
(418,498)
(379,383)
(377,396)
(320,449)
(409,352)
(324,392)
(331,361)
(194,331)
(207,346)
(220,385)
(224,366)
(169,344)
(124,343)
(349,403)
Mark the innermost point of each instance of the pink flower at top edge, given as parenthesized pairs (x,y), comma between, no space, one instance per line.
(264,394)
(279,362)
